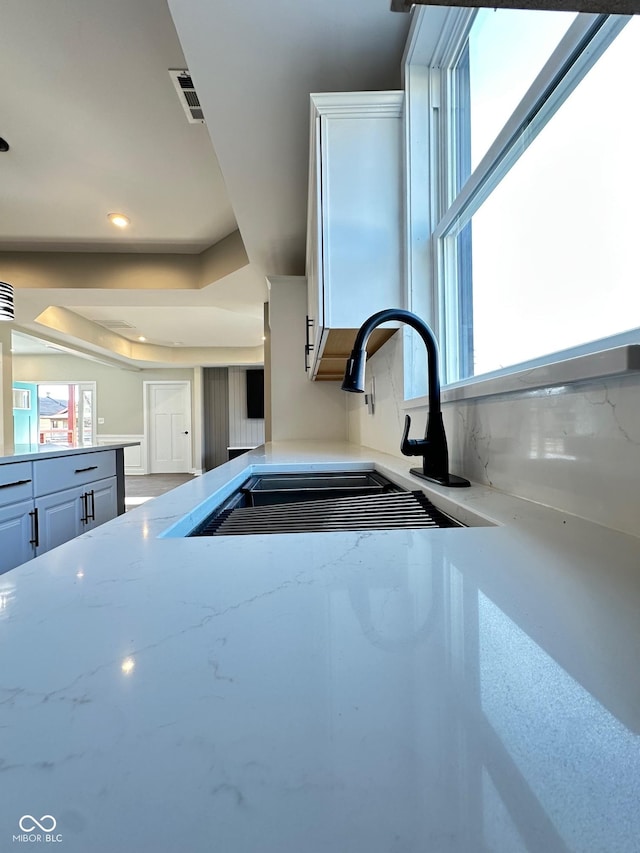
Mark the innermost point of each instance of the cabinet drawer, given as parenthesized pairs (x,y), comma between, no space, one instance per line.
(15,482)
(64,472)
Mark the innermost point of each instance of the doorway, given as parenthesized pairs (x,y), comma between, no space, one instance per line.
(59,414)
(167,416)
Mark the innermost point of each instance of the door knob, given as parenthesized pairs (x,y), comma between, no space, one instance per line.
(186,432)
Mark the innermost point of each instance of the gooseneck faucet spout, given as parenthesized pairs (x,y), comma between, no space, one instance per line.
(433,447)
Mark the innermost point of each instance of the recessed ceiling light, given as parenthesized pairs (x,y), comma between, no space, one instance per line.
(141,338)
(118,219)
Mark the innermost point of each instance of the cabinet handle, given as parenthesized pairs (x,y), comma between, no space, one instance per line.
(93,506)
(17,483)
(307,347)
(35,528)
(90,468)
(85,513)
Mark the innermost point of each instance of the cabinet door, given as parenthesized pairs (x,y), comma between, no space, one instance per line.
(60,518)
(16,533)
(102,502)
(315,297)
(362,217)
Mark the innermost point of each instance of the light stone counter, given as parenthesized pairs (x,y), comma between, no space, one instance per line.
(32,452)
(412,691)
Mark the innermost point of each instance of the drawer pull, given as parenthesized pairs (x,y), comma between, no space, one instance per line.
(17,483)
(35,530)
(93,506)
(82,470)
(308,347)
(88,514)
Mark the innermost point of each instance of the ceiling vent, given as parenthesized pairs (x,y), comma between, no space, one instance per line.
(187,94)
(115,324)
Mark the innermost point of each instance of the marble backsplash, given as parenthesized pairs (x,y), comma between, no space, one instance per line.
(575,448)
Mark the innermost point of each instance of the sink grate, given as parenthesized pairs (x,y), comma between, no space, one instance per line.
(387,511)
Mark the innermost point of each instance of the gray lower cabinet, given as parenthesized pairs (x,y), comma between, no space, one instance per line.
(17,530)
(65,515)
(59,518)
(102,502)
(47,502)
(17,517)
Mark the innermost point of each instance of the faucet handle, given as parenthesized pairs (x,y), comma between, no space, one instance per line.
(412,446)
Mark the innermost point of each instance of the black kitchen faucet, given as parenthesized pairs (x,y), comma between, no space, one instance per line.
(433,447)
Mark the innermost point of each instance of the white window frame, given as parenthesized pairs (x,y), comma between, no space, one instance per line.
(435,213)
(21,399)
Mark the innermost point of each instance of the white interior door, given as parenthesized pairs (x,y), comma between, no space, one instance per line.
(169,427)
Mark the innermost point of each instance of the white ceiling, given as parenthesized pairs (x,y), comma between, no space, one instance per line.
(95,126)
(254,64)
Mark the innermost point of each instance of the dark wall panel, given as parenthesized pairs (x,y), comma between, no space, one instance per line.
(216,415)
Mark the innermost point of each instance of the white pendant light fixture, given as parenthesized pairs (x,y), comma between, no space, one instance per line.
(6,301)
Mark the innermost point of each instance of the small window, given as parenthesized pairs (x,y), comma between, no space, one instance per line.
(21,398)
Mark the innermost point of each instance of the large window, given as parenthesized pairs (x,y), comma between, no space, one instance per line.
(507,49)
(534,246)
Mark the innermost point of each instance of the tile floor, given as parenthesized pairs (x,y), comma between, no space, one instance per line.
(141,488)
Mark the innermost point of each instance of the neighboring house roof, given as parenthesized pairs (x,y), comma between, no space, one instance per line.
(48,407)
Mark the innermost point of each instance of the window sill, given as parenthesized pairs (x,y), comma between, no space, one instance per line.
(583,368)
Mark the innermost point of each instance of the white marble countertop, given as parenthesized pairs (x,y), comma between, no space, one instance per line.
(433,691)
(27,453)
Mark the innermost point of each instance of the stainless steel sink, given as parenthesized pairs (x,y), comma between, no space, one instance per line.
(269,489)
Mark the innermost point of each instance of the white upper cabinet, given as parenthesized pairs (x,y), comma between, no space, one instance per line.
(355,223)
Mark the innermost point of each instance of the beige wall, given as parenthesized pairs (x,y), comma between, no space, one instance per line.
(124,271)
(300,409)
(118,392)
(6,396)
